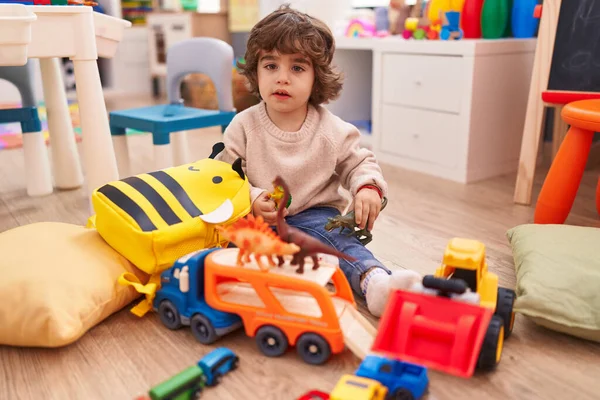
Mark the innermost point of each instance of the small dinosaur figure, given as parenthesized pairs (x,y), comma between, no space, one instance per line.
(254,236)
(349,221)
(309,246)
(277,195)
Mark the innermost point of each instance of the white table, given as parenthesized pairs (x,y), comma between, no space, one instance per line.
(77,32)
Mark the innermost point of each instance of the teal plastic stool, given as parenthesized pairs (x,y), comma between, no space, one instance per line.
(37,163)
(209,56)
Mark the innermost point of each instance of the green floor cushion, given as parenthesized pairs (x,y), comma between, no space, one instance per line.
(558,277)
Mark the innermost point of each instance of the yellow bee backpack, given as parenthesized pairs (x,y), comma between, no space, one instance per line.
(153,219)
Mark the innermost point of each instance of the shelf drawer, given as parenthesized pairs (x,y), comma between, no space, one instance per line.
(423,81)
(420,134)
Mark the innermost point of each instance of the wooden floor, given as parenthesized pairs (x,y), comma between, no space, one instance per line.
(124,356)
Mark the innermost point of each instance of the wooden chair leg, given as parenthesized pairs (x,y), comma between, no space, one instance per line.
(563,179)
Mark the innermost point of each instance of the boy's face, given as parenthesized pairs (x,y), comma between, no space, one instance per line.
(285,81)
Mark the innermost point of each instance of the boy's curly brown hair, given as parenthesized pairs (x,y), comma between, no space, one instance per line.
(289,31)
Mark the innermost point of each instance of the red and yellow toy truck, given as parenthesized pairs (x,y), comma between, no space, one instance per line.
(465,259)
(442,327)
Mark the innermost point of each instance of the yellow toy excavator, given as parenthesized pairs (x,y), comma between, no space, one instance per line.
(465,259)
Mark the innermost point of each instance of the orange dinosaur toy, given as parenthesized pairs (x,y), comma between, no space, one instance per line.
(254,236)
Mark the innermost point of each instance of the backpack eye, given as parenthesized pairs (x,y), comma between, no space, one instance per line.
(217,179)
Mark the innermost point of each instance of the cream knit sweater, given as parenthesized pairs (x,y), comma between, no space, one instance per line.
(315,161)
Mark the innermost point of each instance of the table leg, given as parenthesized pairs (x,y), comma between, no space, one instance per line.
(563,179)
(99,161)
(65,158)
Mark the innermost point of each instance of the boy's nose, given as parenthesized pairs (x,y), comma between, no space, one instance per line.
(283,78)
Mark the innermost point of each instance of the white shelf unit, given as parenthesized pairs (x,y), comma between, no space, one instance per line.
(450,109)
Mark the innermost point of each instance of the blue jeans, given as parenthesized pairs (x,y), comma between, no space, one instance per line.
(312,222)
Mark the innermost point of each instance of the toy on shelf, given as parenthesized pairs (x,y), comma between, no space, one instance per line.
(348,221)
(494,18)
(471,18)
(254,236)
(402,379)
(451,28)
(309,246)
(418,26)
(440,324)
(360,27)
(524,19)
(207,291)
(465,259)
(190,383)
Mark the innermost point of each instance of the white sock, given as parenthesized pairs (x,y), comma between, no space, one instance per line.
(377,286)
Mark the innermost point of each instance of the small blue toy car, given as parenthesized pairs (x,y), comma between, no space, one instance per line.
(404,380)
(217,363)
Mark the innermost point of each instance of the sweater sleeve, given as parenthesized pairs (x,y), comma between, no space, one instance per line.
(356,165)
(234,139)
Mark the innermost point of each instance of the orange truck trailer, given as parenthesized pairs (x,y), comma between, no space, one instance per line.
(314,311)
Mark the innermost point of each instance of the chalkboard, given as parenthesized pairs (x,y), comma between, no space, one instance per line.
(576,58)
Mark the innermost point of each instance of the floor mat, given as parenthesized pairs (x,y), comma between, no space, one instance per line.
(10,133)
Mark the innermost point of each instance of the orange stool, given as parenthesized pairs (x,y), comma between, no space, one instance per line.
(562,182)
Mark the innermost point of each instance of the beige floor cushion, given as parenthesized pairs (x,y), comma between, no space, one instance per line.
(58,281)
(558,277)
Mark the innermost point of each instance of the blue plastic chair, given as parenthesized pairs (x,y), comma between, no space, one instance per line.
(209,56)
(37,163)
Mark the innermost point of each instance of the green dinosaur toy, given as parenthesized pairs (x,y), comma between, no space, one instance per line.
(348,221)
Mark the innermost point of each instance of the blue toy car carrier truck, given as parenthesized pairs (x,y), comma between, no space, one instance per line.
(180,300)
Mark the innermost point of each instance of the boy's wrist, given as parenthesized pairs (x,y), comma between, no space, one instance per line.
(372,187)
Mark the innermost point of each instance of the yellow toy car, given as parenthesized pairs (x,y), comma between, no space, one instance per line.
(465,259)
(351,387)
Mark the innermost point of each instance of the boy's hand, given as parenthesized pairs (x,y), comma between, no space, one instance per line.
(367,205)
(265,206)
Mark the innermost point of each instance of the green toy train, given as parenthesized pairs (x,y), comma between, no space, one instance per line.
(186,385)
(189,383)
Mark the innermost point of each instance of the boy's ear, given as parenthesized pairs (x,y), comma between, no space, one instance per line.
(217,148)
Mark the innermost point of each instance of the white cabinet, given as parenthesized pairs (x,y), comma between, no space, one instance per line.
(451,109)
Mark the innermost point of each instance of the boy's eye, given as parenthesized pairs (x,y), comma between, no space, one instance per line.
(297,68)
(270,66)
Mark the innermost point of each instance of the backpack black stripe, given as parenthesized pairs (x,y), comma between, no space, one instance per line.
(129,206)
(180,194)
(159,204)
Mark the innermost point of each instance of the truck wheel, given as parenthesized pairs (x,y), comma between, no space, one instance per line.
(168,314)
(401,394)
(313,349)
(491,348)
(504,309)
(271,341)
(202,329)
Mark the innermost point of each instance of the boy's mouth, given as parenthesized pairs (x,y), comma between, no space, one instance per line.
(281,94)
